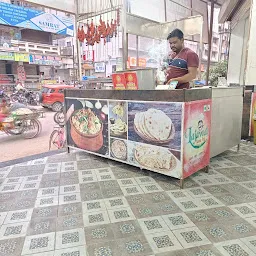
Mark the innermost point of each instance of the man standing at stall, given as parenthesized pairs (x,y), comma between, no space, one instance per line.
(184,62)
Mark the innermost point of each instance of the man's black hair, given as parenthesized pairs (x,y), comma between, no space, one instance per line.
(176,33)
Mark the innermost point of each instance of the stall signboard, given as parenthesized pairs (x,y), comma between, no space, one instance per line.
(142,62)
(131,81)
(6,79)
(197,130)
(45,60)
(100,67)
(119,81)
(143,134)
(18,16)
(252,114)
(6,56)
(23,57)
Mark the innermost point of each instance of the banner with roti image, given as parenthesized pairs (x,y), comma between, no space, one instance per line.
(156,123)
(87,125)
(197,130)
(154,158)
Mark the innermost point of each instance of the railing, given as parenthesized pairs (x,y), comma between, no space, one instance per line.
(34,48)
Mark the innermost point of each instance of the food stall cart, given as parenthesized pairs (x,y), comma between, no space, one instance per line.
(173,133)
(168,133)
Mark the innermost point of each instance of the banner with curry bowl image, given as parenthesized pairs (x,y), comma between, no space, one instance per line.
(197,133)
(87,125)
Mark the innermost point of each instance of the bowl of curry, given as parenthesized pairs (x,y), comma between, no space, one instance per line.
(86,130)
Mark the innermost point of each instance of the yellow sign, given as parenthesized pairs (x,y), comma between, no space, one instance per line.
(49,82)
(24,57)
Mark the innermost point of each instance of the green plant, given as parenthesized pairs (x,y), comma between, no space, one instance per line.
(219,70)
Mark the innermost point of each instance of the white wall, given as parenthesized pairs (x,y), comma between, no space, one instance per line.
(251,61)
(236,53)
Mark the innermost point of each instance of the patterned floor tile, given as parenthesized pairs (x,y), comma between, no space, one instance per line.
(41,226)
(45,212)
(151,188)
(244,210)
(87,178)
(18,216)
(70,238)
(103,249)
(96,218)
(69,198)
(69,189)
(11,247)
(70,222)
(145,180)
(39,243)
(70,209)
(111,192)
(153,225)
(250,242)
(234,248)
(178,221)
(187,205)
(15,230)
(163,242)
(127,182)
(126,229)
(47,201)
(137,245)
(68,166)
(121,214)
(198,193)
(116,202)
(240,228)
(12,181)
(29,185)
(76,251)
(9,187)
(94,206)
(46,192)
(191,237)
(132,190)
(145,211)
(99,234)
(211,202)
(52,168)
(178,195)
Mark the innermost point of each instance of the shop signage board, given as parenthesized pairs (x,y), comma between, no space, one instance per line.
(23,57)
(252,114)
(149,135)
(45,60)
(18,16)
(21,73)
(6,56)
(100,67)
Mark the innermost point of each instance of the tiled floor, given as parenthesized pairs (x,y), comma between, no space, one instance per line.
(80,205)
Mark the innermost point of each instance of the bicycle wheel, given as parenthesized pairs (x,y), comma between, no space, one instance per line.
(31,129)
(18,129)
(59,118)
(55,140)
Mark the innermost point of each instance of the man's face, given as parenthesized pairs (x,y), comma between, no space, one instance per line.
(176,44)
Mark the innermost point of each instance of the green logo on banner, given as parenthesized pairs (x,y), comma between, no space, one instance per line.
(199,136)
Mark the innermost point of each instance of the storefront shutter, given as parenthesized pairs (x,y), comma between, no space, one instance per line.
(241,13)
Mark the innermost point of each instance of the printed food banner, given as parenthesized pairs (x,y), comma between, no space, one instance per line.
(197,130)
(253,113)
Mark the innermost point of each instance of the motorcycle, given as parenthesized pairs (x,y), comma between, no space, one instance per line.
(25,97)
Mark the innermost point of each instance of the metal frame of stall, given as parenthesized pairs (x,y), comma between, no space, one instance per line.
(140,26)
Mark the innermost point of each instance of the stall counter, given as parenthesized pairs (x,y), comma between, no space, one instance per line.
(168,133)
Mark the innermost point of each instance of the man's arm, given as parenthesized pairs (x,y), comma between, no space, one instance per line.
(192,73)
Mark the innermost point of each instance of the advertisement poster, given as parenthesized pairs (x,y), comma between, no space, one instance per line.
(154,136)
(253,113)
(18,16)
(45,60)
(24,57)
(119,81)
(87,125)
(21,73)
(6,56)
(197,130)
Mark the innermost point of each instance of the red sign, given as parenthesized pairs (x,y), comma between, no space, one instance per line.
(119,81)
(88,55)
(253,113)
(131,81)
(197,130)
